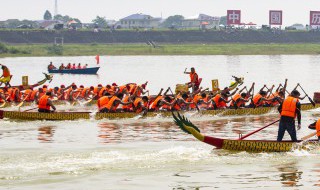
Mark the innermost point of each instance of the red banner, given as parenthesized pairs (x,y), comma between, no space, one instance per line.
(98,58)
(314,18)
(275,17)
(233,17)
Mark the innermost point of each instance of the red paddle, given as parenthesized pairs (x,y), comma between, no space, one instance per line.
(247,135)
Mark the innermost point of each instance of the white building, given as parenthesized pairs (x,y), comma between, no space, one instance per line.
(140,21)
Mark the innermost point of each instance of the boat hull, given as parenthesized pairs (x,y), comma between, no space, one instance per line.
(87,71)
(125,115)
(252,145)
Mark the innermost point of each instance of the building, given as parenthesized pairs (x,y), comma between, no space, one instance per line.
(140,21)
(201,21)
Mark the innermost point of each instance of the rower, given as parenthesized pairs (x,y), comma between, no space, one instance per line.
(220,101)
(276,98)
(259,99)
(27,94)
(2,96)
(71,93)
(239,100)
(86,93)
(51,66)
(79,66)
(182,102)
(6,76)
(96,91)
(194,80)
(115,101)
(103,102)
(316,126)
(62,67)
(17,94)
(289,110)
(140,105)
(45,103)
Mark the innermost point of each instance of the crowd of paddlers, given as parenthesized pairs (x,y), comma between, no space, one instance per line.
(135,98)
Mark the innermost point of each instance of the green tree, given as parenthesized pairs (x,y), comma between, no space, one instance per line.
(100,21)
(47,15)
(58,17)
(77,20)
(173,21)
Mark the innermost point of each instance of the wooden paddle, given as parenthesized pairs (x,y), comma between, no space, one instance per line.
(308,136)
(2,105)
(30,109)
(21,103)
(311,101)
(247,135)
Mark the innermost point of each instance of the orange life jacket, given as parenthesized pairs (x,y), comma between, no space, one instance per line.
(195,101)
(6,72)
(111,103)
(256,100)
(83,92)
(129,106)
(103,102)
(13,95)
(33,95)
(219,104)
(43,102)
(155,102)
(67,94)
(289,107)
(136,103)
(121,88)
(132,88)
(165,106)
(318,127)
(194,76)
(27,94)
(177,106)
(1,92)
(272,96)
(41,94)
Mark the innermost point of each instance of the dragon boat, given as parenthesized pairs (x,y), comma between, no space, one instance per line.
(47,77)
(238,145)
(126,115)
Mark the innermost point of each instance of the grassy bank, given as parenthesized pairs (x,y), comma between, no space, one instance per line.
(165,49)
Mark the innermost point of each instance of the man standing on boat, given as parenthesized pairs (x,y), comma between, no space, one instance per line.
(6,76)
(194,79)
(45,103)
(289,109)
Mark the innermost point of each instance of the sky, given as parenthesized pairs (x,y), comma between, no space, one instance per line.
(257,11)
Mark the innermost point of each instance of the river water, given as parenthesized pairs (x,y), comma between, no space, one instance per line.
(153,153)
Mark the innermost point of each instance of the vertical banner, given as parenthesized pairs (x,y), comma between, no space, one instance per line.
(314,18)
(215,85)
(98,59)
(275,17)
(233,17)
(25,80)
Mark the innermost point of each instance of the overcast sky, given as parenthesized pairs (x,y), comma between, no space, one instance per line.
(294,11)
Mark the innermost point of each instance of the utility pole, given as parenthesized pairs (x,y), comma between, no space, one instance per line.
(55,7)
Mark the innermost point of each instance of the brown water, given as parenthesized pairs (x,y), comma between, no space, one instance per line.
(153,153)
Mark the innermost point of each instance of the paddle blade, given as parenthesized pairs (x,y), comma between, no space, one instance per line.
(86,102)
(308,136)
(2,105)
(312,102)
(20,104)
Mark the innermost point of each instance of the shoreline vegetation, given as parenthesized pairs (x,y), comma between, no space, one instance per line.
(43,50)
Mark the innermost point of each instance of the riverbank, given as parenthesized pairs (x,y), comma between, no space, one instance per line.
(36,50)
